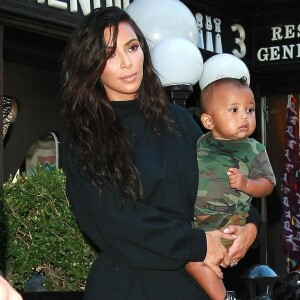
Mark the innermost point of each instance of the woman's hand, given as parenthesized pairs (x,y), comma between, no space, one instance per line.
(7,292)
(216,253)
(245,236)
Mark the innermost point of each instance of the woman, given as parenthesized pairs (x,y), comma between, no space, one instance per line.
(131,168)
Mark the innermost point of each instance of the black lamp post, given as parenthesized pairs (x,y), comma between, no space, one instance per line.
(179,94)
(260,280)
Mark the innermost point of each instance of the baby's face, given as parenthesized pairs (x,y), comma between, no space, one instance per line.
(232,111)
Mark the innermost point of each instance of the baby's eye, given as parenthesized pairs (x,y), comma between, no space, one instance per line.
(250,110)
(233,109)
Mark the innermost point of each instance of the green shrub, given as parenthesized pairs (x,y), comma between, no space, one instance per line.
(41,233)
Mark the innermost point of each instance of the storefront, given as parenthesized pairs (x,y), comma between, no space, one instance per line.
(264,34)
(267,38)
(276,62)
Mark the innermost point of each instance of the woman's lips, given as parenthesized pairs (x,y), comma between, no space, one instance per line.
(129,78)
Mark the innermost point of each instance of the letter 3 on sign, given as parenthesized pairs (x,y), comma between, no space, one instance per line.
(240,41)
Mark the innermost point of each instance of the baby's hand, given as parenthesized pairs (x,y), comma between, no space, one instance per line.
(237,180)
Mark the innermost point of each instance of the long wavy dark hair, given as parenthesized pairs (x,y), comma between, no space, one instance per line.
(92,126)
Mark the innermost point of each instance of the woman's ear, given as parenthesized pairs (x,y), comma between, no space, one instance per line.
(207,121)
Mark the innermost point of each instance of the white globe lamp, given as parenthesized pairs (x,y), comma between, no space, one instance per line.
(223,65)
(178,61)
(159,19)
(179,65)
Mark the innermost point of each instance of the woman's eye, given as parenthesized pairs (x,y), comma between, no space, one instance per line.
(133,47)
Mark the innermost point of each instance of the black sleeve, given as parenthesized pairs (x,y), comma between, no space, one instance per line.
(133,233)
(255,218)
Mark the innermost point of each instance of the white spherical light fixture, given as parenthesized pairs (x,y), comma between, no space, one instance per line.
(159,19)
(177,61)
(223,65)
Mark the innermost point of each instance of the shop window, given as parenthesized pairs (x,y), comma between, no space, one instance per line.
(282,142)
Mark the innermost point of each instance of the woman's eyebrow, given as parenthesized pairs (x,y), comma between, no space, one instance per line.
(130,41)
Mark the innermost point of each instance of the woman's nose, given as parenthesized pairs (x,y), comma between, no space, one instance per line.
(126,61)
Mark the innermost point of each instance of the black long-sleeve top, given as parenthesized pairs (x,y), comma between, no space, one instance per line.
(144,245)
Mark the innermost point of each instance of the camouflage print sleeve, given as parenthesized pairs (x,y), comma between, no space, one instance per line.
(261,167)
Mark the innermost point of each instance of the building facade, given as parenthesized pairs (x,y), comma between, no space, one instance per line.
(264,34)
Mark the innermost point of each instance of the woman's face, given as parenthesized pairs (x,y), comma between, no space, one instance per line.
(123,72)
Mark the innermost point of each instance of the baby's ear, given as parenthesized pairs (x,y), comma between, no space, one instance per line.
(207,121)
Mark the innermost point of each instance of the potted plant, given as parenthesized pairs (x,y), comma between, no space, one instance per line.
(41,234)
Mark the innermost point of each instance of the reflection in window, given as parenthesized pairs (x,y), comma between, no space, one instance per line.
(43,152)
